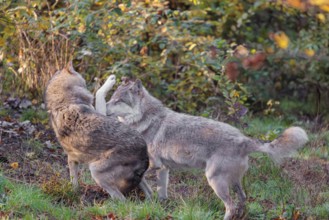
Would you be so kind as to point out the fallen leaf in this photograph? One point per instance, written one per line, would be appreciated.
(296, 215)
(96, 217)
(14, 165)
(144, 51)
(111, 216)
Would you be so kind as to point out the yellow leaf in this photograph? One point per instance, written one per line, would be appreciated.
(281, 40)
(236, 94)
(269, 102)
(292, 62)
(191, 46)
(296, 4)
(309, 52)
(14, 165)
(123, 7)
(321, 17)
(325, 7)
(318, 2)
(2, 42)
(164, 29)
(81, 28)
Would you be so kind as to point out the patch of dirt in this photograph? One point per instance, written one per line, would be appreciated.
(311, 174)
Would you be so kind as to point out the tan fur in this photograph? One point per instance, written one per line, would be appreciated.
(116, 155)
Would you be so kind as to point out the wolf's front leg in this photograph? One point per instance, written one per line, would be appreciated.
(100, 102)
(73, 168)
(162, 182)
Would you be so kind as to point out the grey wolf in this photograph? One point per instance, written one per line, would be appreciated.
(177, 140)
(116, 155)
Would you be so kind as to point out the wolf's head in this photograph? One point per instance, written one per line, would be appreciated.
(67, 87)
(131, 102)
(127, 99)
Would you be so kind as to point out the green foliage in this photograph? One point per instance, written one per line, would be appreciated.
(34, 116)
(59, 188)
(3, 112)
(33, 147)
(178, 51)
(292, 72)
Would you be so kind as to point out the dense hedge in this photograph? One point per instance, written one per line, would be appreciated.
(270, 51)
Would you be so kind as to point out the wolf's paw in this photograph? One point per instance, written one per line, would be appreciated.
(110, 79)
(107, 86)
(240, 213)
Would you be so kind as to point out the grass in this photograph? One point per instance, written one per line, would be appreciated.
(3, 112)
(271, 191)
(35, 116)
(28, 202)
(293, 107)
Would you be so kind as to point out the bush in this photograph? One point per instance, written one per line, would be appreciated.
(182, 50)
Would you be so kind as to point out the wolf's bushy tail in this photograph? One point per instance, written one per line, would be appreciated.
(285, 145)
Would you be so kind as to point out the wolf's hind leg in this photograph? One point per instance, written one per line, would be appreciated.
(112, 190)
(221, 188)
(162, 182)
(242, 199)
(102, 179)
(219, 176)
(73, 168)
(146, 189)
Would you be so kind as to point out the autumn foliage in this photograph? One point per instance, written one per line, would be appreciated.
(182, 50)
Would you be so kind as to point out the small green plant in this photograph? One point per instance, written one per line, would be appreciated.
(270, 135)
(59, 188)
(234, 95)
(3, 112)
(271, 107)
(34, 116)
(33, 148)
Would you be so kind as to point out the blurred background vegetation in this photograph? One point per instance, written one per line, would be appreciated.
(218, 59)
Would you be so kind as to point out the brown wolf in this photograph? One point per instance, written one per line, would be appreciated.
(116, 155)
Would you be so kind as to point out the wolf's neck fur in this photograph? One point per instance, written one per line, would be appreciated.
(60, 99)
(150, 116)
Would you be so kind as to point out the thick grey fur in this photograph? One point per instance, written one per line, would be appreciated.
(177, 140)
(116, 154)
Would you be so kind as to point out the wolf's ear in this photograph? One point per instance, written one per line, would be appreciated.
(139, 86)
(69, 67)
